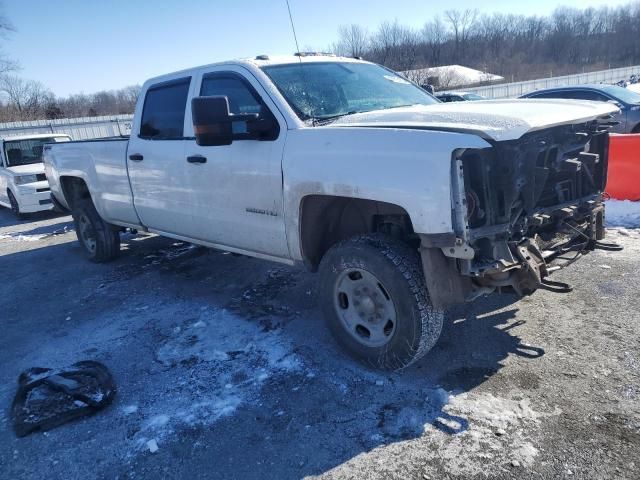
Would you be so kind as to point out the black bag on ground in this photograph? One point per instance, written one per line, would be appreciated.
(48, 397)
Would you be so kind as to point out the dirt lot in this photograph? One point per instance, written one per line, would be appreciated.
(224, 361)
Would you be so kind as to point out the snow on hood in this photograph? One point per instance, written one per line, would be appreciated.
(491, 119)
(31, 169)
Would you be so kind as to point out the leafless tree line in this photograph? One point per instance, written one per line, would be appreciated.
(517, 47)
(22, 99)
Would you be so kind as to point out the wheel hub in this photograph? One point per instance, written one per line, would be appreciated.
(365, 307)
(87, 233)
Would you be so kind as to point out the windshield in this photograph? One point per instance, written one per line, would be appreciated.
(323, 90)
(28, 151)
(624, 94)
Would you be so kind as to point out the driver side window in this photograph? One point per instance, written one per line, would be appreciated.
(241, 98)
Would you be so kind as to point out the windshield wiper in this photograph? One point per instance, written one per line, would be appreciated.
(323, 120)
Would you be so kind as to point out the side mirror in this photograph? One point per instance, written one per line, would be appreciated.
(212, 121)
(615, 102)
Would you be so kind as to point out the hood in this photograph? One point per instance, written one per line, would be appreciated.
(497, 120)
(31, 169)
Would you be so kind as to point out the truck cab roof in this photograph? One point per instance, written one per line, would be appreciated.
(260, 61)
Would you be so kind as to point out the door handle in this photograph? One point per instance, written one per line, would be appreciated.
(136, 157)
(197, 159)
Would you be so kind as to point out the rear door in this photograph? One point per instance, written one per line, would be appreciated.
(155, 158)
(237, 188)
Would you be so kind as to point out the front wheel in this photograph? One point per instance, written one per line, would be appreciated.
(99, 239)
(15, 208)
(376, 302)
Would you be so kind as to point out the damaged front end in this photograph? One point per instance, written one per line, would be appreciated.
(525, 208)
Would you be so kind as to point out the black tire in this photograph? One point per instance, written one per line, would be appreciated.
(397, 269)
(99, 239)
(15, 208)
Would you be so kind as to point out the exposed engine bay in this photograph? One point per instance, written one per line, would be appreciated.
(528, 207)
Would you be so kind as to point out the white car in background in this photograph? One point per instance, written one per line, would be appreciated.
(24, 187)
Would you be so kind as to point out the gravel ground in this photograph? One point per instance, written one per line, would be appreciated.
(224, 363)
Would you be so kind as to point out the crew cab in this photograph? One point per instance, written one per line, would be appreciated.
(405, 205)
(23, 184)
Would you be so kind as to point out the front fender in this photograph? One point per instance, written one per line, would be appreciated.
(410, 168)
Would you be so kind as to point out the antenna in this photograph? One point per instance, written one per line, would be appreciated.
(295, 37)
(302, 72)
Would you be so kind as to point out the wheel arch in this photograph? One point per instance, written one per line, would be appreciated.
(74, 189)
(328, 219)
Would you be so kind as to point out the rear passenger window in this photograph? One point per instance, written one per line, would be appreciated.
(163, 111)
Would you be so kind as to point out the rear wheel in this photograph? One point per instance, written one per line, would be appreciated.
(376, 302)
(99, 239)
(15, 208)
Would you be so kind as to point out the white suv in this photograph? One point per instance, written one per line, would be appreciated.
(23, 185)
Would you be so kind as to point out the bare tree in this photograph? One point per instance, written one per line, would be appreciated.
(30, 100)
(395, 45)
(462, 24)
(353, 41)
(127, 98)
(26, 97)
(434, 34)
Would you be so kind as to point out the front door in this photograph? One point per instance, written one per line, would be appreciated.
(238, 198)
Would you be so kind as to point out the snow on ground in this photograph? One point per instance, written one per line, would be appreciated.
(499, 427)
(22, 238)
(451, 76)
(235, 355)
(622, 213)
(211, 361)
(635, 87)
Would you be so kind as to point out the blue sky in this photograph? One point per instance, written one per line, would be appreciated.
(77, 46)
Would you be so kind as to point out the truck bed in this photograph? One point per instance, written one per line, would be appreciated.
(100, 163)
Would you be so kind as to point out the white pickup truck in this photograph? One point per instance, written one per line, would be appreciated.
(405, 205)
(23, 185)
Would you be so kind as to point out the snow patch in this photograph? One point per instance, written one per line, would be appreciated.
(634, 87)
(228, 360)
(129, 409)
(622, 213)
(486, 415)
(220, 336)
(152, 445)
(19, 237)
